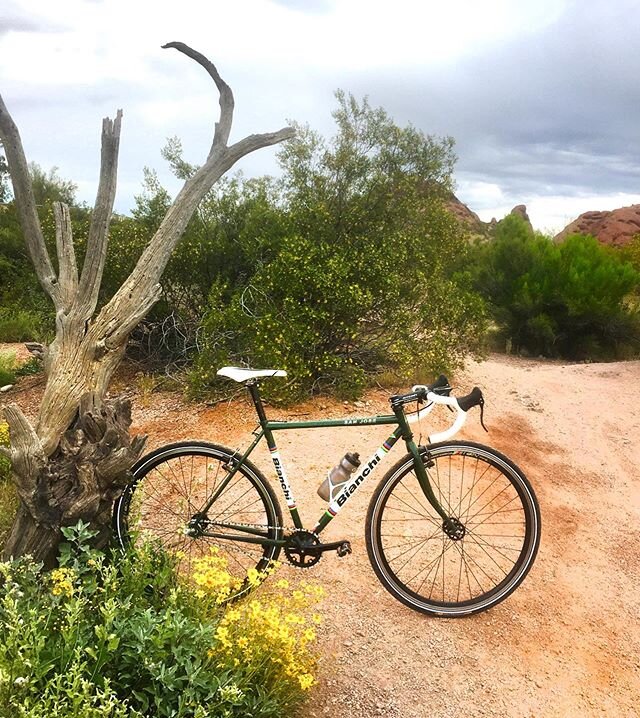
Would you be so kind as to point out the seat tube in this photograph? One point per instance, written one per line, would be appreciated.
(252, 386)
(418, 462)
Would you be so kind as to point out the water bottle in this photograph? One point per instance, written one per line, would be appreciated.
(338, 476)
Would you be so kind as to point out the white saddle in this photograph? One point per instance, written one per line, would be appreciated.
(238, 374)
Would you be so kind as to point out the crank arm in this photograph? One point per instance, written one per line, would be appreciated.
(342, 547)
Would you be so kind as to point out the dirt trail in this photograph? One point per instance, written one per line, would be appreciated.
(567, 642)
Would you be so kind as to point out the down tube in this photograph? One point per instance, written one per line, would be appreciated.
(351, 486)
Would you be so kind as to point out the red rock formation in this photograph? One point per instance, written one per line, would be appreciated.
(520, 210)
(466, 217)
(616, 228)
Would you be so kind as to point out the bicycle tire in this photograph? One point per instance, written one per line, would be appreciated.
(498, 508)
(169, 487)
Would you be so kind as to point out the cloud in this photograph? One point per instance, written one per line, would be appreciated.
(306, 6)
(14, 19)
(542, 97)
(555, 111)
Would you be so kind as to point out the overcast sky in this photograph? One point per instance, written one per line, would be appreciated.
(541, 96)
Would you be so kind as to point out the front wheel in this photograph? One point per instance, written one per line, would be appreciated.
(165, 504)
(475, 559)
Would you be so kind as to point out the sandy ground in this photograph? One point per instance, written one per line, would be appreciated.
(566, 643)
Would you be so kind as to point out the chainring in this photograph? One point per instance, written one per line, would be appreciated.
(299, 548)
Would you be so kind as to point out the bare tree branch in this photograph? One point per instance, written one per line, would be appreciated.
(73, 461)
(122, 326)
(140, 288)
(68, 269)
(255, 142)
(26, 205)
(96, 254)
(223, 126)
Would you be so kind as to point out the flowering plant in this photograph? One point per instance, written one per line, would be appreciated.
(124, 636)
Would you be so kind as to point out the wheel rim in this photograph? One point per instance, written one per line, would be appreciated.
(171, 489)
(442, 567)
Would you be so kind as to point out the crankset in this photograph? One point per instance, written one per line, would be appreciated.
(304, 548)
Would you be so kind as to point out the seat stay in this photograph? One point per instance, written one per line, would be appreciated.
(238, 461)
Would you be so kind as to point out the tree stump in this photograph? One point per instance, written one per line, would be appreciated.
(80, 480)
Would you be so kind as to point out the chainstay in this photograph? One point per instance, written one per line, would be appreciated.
(287, 529)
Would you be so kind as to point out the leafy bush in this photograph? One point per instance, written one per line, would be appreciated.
(364, 274)
(21, 325)
(568, 299)
(631, 251)
(8, 501)
(27, 313)
(5, 465)
(8, 497)
(10, 370)
(31, 366)
(128, 638)
(7, 369)
(268, 638)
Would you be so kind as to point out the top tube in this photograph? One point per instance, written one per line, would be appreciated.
(319, 423)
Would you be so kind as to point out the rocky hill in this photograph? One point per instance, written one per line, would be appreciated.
(466, 217)
(473, 224)
(616, 228)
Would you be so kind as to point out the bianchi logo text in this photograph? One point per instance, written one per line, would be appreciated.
(285, 489)
(342, 499)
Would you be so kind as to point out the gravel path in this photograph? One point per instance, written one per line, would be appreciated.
(566, 643)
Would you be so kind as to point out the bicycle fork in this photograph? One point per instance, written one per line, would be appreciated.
(450, 524)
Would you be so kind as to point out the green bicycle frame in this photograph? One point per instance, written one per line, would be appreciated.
(266, 430)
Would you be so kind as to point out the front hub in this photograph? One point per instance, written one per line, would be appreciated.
(454, 529)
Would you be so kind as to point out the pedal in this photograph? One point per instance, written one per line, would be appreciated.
(344, 549)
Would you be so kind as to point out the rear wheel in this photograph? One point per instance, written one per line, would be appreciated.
(475, 559)
(164, 504)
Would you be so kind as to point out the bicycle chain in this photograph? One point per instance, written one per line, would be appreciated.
(288, 532)
(289, 529)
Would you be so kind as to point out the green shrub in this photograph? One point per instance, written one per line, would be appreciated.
(7, 369)
(631, 252)
(5, 464)
(19, 325)
(8, 497)
(572, 299)
(8, 502)
(32, 366)
(363, 275)
(127, 638)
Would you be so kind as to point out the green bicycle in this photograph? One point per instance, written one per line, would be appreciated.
(452, 528)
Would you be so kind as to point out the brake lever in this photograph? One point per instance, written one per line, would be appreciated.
(482, 416)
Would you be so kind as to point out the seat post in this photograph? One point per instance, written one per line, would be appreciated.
(252, 386)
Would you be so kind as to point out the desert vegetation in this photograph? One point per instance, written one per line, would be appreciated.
(344, 270)
(347, 271)
(125, 636)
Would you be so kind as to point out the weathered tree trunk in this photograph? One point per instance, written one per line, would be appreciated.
(80, 480)
(73, 463)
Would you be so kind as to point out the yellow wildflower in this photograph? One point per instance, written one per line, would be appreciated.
(62, 581)
(306, 680)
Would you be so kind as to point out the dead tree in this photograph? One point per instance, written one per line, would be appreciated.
(73, 461)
